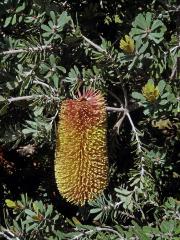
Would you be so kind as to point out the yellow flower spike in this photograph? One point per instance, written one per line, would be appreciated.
(127, 45)
(81, 164)
(150, 92)
(10, 203)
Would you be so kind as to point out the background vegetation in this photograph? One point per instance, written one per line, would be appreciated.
(130, 51)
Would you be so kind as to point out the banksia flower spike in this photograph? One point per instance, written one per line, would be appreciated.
(127, 44)
(81, 164)
(150, 92)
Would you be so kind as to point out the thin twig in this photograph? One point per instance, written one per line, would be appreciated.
(114, 109)
(31, 97)
(8, 235)
(139, 147)
(45, 85)
(135, 132)
(99, 229)
(174, 69)
(30, 49)
(100, 49)
(116, 97)
(5, 236)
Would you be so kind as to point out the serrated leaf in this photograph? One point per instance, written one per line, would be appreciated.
(148, 18)
(52, 14)
(62, 20)
(140, 21)
(156, 24)
(164, 226)
(138, 96)
(49, 210)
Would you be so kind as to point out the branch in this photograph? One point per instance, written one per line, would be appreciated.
(8, 235)
(114, 109)
(135, 132)
(44, 84)
(100, 49)
(99, 229)
(33, 49)
(140, 151)
(31, 97)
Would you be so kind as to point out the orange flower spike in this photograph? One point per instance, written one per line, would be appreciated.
(81, 165)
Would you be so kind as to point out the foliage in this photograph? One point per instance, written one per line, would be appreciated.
(33, 219)
(51, 51)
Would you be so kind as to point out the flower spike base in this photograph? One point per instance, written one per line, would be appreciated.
(81, 164)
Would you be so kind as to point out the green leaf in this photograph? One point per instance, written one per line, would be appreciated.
(3, 109)
(156, 37)
(123, 191)
(31, 227)
(46, 34)
(164, 226)
(20, 8)
(52, 14)
(148, 18)
(140, 21)
(7, 21)
(138, 230)
(14, 19)
(137, 180)
(143, 47)
(45, 28)
(52, 59)
(161, 85)
(156, 24)
(95, 210)
(38, 111)
(98, 216)
(163, 102)
(56, 80)
(29, 213)
(138, 96)
(20, 19)
(49, 210)
(62, 69)
(28, 131)
(62, 20)
(2, 99)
